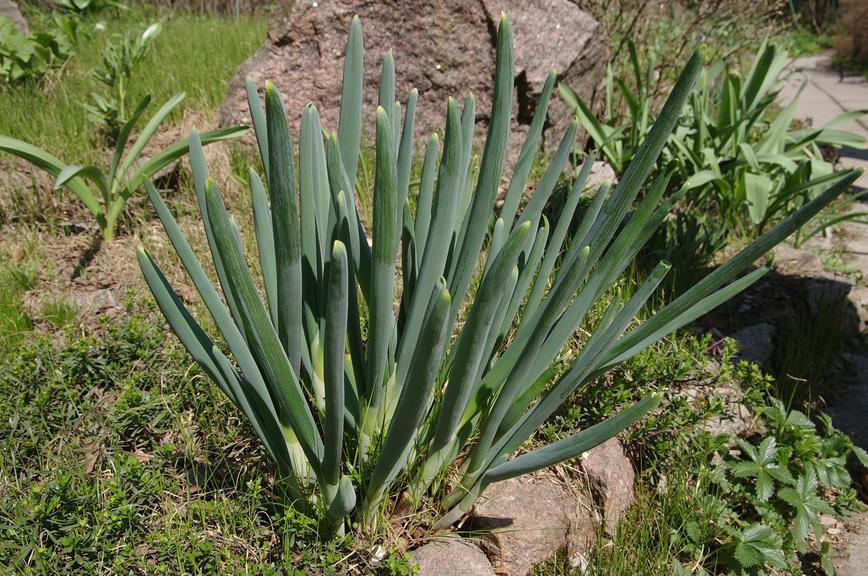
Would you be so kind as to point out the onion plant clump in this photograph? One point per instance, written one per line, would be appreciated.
(356, 403)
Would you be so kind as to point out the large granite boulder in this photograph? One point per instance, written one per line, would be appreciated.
(444, 48)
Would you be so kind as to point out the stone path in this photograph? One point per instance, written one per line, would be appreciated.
(827, 95)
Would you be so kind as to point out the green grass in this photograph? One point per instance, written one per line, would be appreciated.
(102, 438)
(14, 322)
(803, 42)
(118, 456)
(183, 58)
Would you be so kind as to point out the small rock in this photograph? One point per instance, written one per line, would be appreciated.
(755, 343)
(610, 476)
(734, 418)
(526, 520)
(858, 299)
(600, 172)
(828, 520)
(795, 262)
(832, 295)
(451, 556)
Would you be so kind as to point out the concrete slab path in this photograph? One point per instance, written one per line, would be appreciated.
(827, 94)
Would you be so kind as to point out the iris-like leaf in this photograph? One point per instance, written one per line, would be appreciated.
(384, 249)
(284, 217)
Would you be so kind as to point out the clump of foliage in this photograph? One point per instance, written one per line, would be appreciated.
(721, 504)
(667, 31)
(353, 420)
(740, 164)
(23, 57)
(90, 8)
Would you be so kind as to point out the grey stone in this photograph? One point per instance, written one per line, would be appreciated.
(734, 418)
(755, 343)
(10, 9)
(852, 558)
(600, 172)
(836, 298)
(450, 556)
(857, 298)
(610, 477)
(443, 49)
(526, 520)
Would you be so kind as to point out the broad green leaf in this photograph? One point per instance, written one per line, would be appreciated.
(806, 502)
(145, 137)
(528, 151)
(265, 242)
(405, 152)
(92, 173)
(490, 168)
(757, 189)
(350, 123)
(124, 134)
(212, 361)
(426, 195)
(45, 161)
(437, 247)
(762, 466)
(415, 396)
